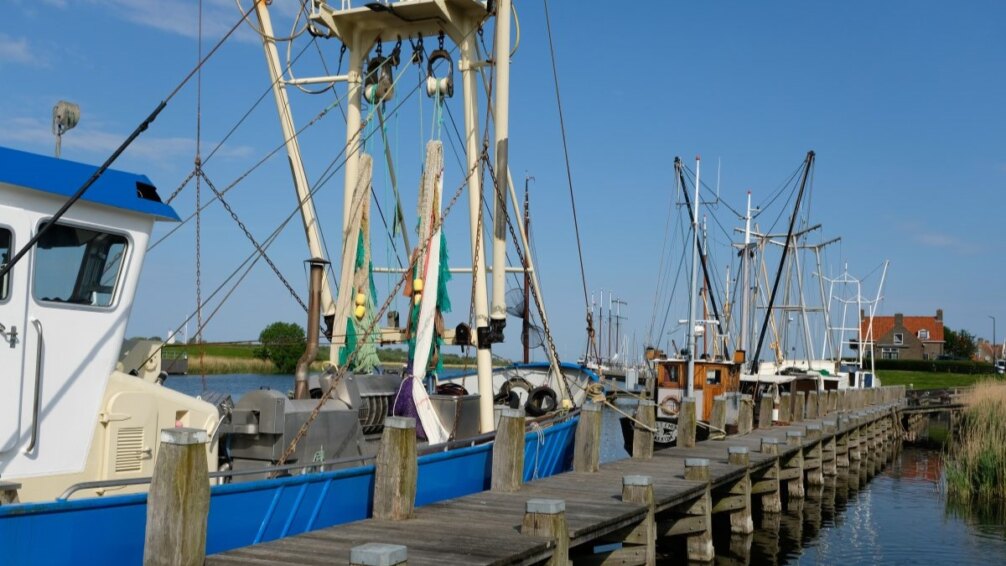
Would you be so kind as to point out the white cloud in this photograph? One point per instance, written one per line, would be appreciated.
(99, 143)
(17, 50)
(181, 17)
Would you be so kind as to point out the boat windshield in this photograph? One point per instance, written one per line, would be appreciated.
(79, 266)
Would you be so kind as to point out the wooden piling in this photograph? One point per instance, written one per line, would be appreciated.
(799, 406)
(699, 542)
(396, 470)
(812, 405)
(179, 500)
(546, 518)
(812, 456)
(737, 502)
(765, 411)
(792, 466)
(785, 407)
(508, 451)
(642, 437)
(718, 417)
(587, 442)
(745, 415)
(686, 423)
(639, 489)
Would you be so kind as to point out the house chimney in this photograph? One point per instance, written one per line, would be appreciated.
(939, 315)
(899, 319)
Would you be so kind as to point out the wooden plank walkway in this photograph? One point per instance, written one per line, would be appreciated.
(486, 528)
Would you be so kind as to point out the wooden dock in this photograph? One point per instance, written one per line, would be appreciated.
(631, 502)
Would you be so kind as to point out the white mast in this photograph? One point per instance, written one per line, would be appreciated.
(307, 213)
(502, 130)
(693, 296)
(745, 294)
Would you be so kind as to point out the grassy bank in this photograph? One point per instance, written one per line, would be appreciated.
(976, 464)
(929, 380)
(240, 358)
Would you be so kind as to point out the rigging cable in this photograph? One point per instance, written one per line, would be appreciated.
(4, 269)
(198, 170)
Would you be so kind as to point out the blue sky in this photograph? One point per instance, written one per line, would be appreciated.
(902, 101)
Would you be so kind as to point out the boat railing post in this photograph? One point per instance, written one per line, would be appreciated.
(396, 470)
(508, 451)
(179, 500)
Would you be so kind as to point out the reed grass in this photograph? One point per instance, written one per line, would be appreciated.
(212, 365)
(976, 461)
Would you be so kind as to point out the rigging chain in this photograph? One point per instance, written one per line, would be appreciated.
(251, 238)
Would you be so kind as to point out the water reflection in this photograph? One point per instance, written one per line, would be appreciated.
(898, 516)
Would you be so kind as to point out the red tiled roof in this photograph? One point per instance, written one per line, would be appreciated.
(913, 324)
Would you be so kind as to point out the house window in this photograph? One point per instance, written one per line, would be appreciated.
(899, 339)
(889, 353)
(923, 334)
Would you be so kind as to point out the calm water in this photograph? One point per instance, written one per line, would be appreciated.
(898, 517)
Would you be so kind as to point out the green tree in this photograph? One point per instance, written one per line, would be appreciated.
(283, 343)
(959, 343)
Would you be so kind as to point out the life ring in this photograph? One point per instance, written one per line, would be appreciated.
(670, 406)
(541, 401)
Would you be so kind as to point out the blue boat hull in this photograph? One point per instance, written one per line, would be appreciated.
(106, 530)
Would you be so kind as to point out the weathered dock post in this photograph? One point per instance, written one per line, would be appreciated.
(587, 441)
(785, 407)
(745, 415)
(546, 518)
(700, 540)
(765, 407)
(812, 456)
(718, 417)
(396, 470)
(829, 448)
(643, 537)
(792, 466)
(179, 500)
(735, 499)
(799, 406)
(832, 401)
(812, 405)
(378, 554)
(686, 423)
(766, 485)
(642, 436)
(842, 442)
(508, 452)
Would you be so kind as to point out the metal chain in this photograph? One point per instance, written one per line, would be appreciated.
(180, 187)
(534, 290)
(252, 239)
(292, 447)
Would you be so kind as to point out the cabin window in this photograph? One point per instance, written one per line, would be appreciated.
(713, 376)
(6, 241)
(899, 339)
(78, 266)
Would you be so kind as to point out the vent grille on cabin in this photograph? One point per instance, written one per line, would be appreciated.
(128, 449)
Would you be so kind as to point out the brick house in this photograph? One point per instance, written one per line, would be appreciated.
(987, 351)
(901, 337)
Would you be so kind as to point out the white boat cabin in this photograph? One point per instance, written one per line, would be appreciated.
(66, 414)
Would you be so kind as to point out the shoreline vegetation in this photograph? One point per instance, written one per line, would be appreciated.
(975, 463)
(220, 359)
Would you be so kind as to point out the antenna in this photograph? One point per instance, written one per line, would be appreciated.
(65, 115)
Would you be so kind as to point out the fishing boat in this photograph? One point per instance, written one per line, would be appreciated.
(79, 425)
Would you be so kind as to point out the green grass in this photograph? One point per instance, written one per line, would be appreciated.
(929, 380)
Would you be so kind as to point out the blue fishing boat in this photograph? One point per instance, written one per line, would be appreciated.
(80, 419)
